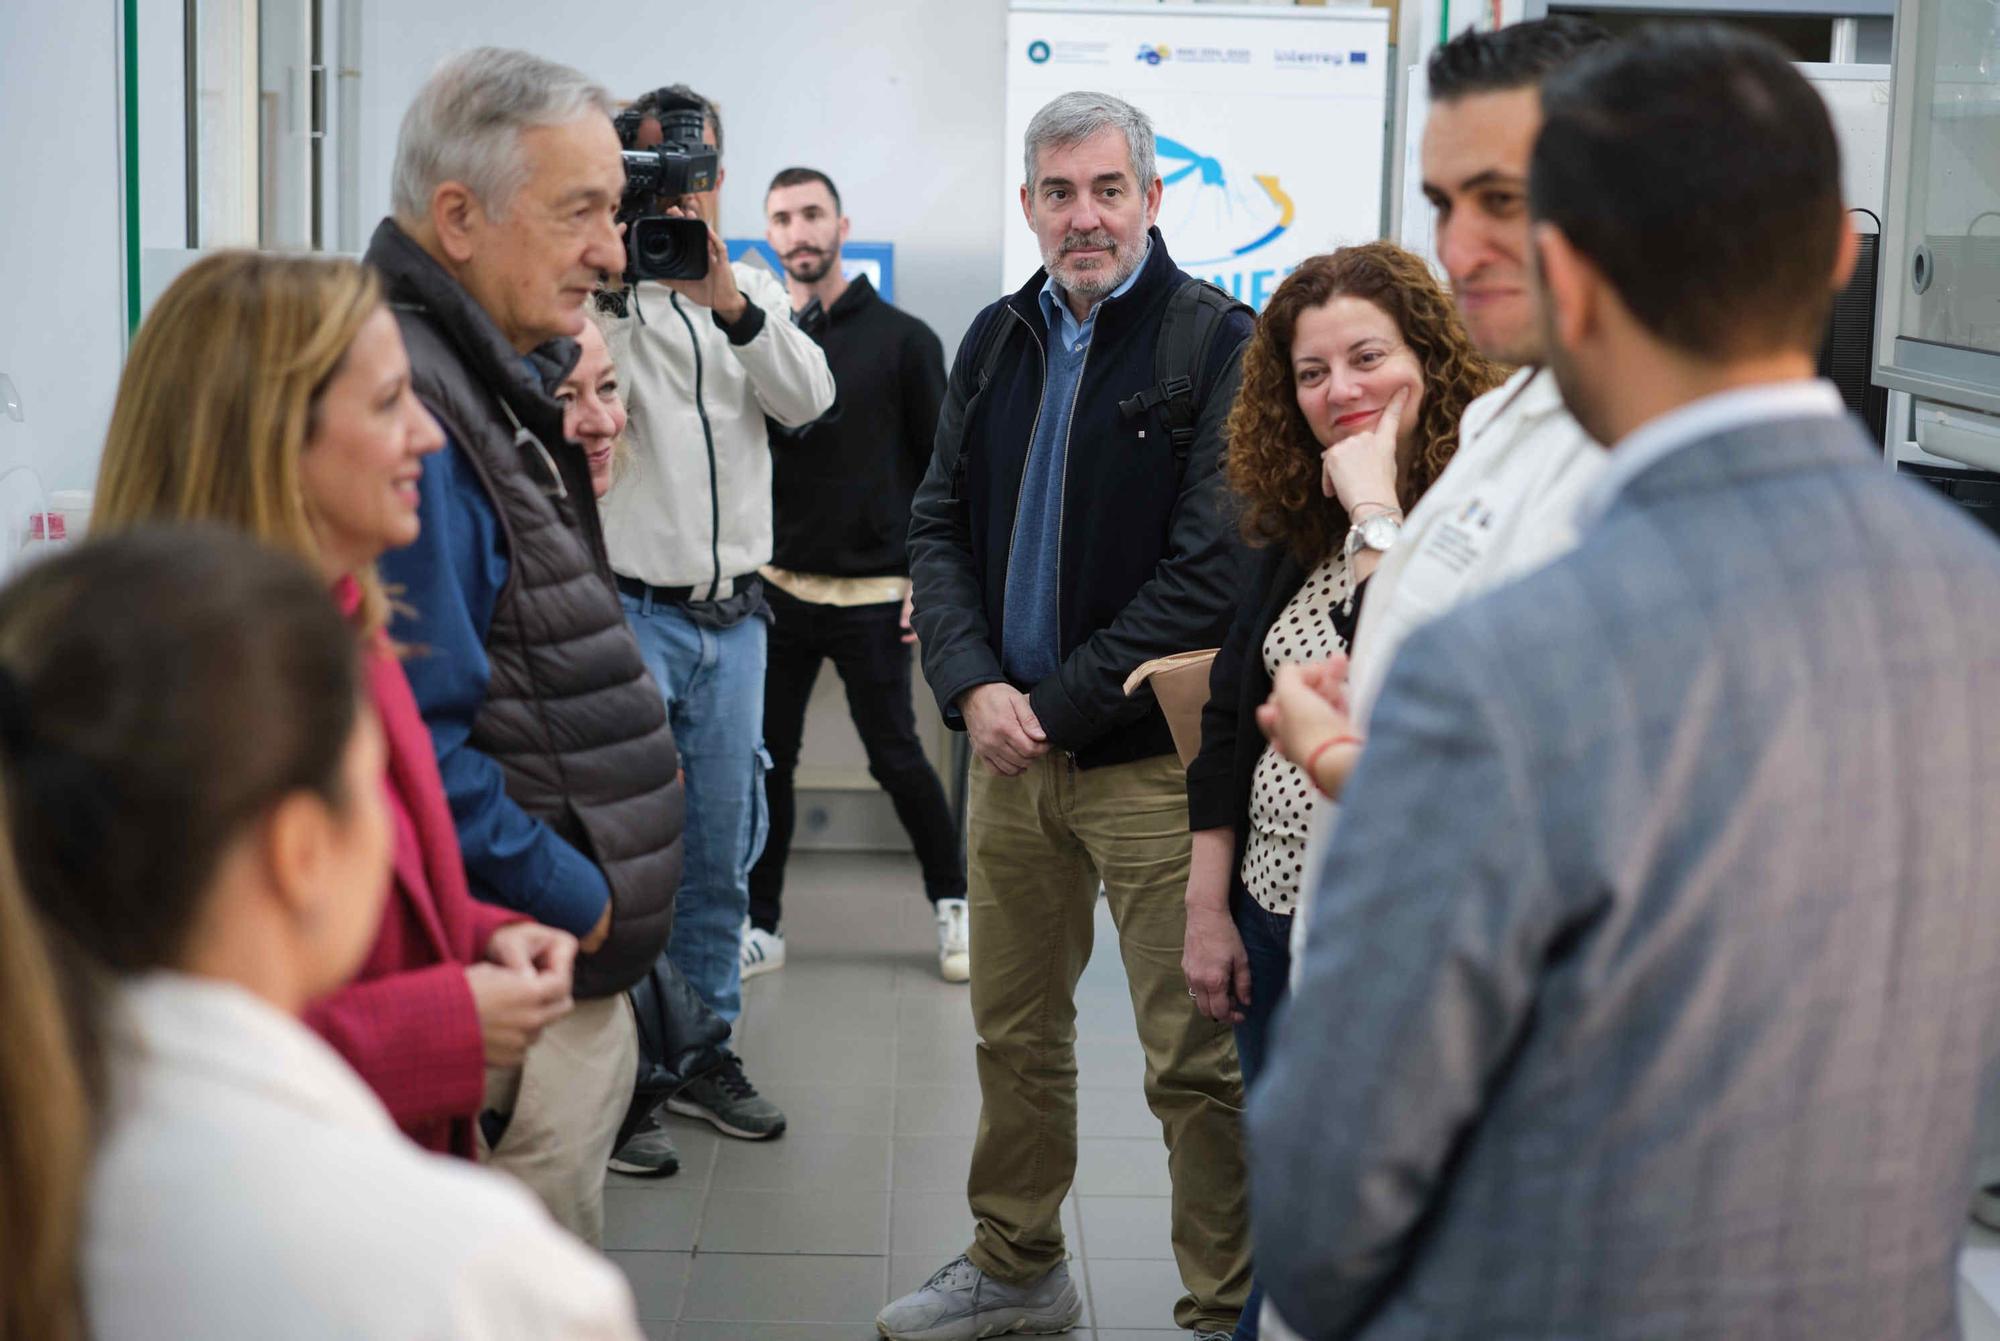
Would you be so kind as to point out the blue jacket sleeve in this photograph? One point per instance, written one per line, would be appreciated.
(448, 584)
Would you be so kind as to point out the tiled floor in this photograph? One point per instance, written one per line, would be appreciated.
(870, 1054)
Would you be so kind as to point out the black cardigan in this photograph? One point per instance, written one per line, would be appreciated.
(1218, 781)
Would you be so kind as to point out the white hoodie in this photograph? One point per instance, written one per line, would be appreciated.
(691, 505)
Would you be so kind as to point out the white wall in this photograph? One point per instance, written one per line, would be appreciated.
(899, 101)
(62, 303)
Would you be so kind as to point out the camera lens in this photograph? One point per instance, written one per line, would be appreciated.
(661, 248)
(656, 249)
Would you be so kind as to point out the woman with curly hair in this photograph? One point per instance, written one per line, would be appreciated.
(1353, 385)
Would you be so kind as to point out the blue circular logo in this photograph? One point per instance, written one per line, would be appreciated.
(1038, 52)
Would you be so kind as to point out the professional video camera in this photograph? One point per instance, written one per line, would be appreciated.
(681, 165)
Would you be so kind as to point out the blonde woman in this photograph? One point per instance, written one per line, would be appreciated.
(272, 394)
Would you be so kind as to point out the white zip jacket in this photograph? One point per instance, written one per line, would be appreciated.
(690, 506)
(1504, 506)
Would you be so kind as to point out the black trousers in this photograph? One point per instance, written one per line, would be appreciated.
(866, 647)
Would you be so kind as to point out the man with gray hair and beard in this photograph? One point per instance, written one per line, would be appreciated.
(1071, 528)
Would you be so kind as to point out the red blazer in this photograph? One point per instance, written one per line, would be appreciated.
(406, 1023)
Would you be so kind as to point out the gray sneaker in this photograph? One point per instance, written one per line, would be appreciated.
(963, 1303)
(647, 1153)
(727, 1101)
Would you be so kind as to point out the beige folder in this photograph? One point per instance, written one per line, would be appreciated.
(1180, 683)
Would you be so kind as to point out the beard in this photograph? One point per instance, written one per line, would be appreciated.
(809, 267)
(1105, 275)
(1579, 391)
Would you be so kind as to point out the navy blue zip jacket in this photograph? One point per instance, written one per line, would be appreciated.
(1150, 557)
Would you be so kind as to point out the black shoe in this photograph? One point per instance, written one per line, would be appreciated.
(727, 1100)
(648, 1152)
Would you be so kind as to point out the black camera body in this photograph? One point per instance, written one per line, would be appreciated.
(657, 247)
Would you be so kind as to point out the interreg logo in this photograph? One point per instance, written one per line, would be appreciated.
(1038, 52)
(1310, 58)
(1222, 218)
(1154, 55)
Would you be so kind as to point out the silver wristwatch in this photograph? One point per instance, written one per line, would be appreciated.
(1377, 531)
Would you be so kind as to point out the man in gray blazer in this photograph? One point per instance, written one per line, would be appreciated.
(1656, 962)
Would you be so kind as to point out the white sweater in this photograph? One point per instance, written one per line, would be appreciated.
(691, 507)
(250, 1187)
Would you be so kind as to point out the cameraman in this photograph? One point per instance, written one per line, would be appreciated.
(688, 524)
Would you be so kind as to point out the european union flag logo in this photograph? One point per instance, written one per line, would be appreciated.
(1357, 58)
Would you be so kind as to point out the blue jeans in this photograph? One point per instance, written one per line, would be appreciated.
(713, 682)
(1267, 944)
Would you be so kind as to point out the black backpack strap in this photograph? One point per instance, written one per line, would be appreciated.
(985, 362)
(1195, 312)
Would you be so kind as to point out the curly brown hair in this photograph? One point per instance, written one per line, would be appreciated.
(1274, 459)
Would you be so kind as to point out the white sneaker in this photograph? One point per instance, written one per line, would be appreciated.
(763, 951)
(954, 940)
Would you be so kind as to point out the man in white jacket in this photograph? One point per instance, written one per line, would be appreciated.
(688, 524)
(1504, 505)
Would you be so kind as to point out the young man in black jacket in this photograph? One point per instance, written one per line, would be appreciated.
(1065, 534)
(838, 582)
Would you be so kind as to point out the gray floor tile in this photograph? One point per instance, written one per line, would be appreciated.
(834, 1108)
(1115, 1167)
(917, 975)
(804, 1159)
(937, 1110)
(931, 1163)
(778, 1331)
(1110, 1061)
(934, 1224)
(651, 1217)
(821, 1220)
(1111, 1110)
(659, 1280)
(836, 1009)
(742, 1287)
(1121, 1334)
(659, 1329)
(1106, 1015)
(1126, 1227)
(935, 1059)
(1135, 1294)
(812, 969)
(925, 1010)
(777, 1058)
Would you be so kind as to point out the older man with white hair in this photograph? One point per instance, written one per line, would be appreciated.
(1071, 528)
(552, 741)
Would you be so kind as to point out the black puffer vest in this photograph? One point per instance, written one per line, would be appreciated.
(571, 716)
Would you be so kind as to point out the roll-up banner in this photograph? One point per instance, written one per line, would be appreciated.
(1269, 124)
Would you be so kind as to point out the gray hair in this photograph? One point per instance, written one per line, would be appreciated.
(466, 123)
(1075, 117)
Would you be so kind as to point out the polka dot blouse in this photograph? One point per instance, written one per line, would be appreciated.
(1281, 795)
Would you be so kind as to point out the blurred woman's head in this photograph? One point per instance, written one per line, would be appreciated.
(192, 779)
(272, 393)
(593, 411)
(188, 780)
(1342, 334)
(45, 1131)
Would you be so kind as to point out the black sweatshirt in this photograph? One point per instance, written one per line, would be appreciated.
(841, 489)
